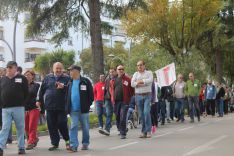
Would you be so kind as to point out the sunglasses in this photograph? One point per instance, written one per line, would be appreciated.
(120, 69)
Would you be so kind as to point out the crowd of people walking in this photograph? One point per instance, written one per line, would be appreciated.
(136, 99)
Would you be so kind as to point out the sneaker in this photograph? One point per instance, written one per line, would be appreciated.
(153, 129)
(85, 147)
(192, 121)
(198, 119)
(148, 135)
(1, 152)
(72, 149)
(67, 143)
(21, 151)
(143, 135)
(122, 137)
(36, 142)
(30, 146)
(168, 121)
(53, 148)
(107, 133)
(177, 120)
(101, 131)
(9, 141)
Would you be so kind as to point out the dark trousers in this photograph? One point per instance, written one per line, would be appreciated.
(163, 110)
(210, 107)
(121, 111)
(225, 104)
(0, 118)
(154, 114)
(57, 122)
(172, 110)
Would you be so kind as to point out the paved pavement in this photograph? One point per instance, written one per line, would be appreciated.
(210, 137)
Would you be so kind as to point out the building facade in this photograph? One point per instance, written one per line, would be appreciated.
(27, 49)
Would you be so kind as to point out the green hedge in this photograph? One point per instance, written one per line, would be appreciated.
(93, 120)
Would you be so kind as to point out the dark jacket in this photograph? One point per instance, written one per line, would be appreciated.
(107, 95)
(32, 96)
(86, 95)
(123, 90)
(221, 93)
(166, 93)
(51, 97)
(13, 92)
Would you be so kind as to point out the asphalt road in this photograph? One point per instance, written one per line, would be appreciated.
(210, 137)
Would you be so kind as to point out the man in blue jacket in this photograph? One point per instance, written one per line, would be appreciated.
(52, 95)
(79, 99)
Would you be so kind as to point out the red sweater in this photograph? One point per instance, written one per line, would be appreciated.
(98, 91)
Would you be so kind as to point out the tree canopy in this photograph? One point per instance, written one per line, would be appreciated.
(44, 62)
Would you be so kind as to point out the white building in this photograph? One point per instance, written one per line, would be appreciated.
(28, 48)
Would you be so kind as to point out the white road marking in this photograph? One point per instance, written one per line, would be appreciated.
(205, 146)
(122, 146)
(157, 136)
(184, 129)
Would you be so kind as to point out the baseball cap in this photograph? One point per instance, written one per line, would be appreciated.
(74, 67)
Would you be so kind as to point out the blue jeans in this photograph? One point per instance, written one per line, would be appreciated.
(168, 109)
(100, 112)
(220, 106)
(143, 103)
(9, 114)
(83, 118)
(180, 108)
(194, 106)
(109, 113)
(129, 113)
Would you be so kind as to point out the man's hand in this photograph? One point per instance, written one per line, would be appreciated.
(38, 104)
(59, 85)
(140, 82)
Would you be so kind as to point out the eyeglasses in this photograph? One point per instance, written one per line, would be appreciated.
(120, 69)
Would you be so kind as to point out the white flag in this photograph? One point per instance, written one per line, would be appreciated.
(166, 75)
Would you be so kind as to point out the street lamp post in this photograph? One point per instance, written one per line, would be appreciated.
(8, 45)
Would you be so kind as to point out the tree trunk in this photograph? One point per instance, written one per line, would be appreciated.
(96, 39)
(219, 65)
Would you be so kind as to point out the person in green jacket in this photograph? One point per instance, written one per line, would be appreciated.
(192, 89)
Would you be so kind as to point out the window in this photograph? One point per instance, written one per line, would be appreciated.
(1, 57)
(70, 42)
(30, 57)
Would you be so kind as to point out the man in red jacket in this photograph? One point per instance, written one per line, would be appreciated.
(122, 95)
(98, 91)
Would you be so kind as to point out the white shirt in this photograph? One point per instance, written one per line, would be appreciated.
(156, 92)
(146, 77)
